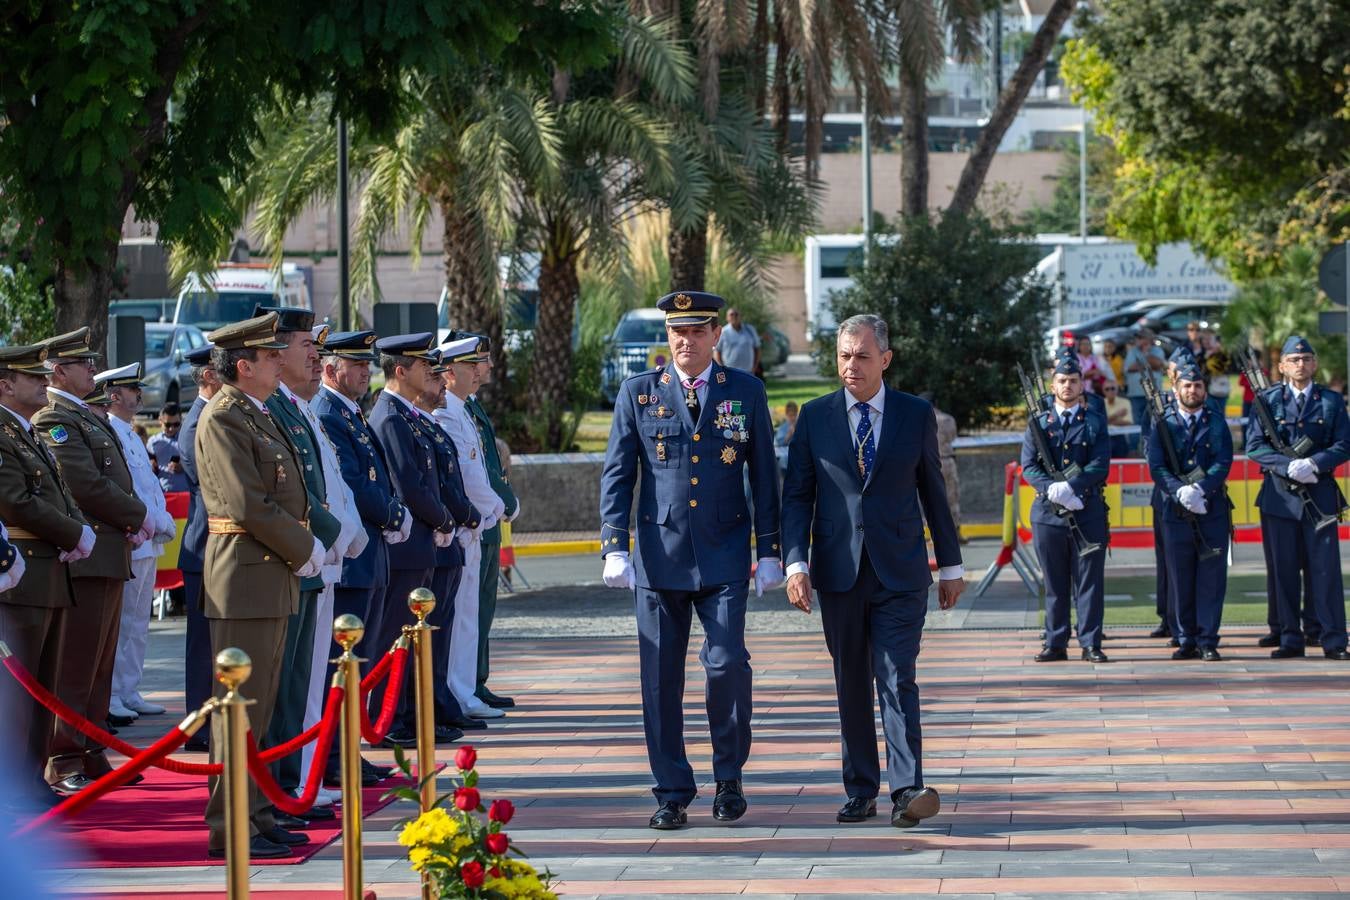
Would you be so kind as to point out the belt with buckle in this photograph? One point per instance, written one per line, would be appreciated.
(222, 525)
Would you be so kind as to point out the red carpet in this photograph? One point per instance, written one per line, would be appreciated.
(159, 823)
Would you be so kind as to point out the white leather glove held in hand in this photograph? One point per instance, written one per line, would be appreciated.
(1059, 493)
(331, 556)
(360, 541)
(768, 575)
(466, 537)
(619, 570)
(1192, 496)
(315, 563)
(83, 547)
(1304, 470)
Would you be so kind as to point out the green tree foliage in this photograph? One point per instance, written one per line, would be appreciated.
(87, 132)
(961, 307)
(25, 306)
(1231, 116)
(1061, 214)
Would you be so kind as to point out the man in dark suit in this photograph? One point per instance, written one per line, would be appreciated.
(198, 666)
(692, 429)
(863, 474)
(1301, 408)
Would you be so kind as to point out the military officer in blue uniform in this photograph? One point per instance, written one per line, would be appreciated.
(198, 668)
(1303, 408)
(1074, 434)
(1194, 519)
(407, 361)
(691, 429)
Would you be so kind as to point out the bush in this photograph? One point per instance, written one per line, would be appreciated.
(963, 308)
(27, 312)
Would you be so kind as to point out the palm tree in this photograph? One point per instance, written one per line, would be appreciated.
(1268, 310)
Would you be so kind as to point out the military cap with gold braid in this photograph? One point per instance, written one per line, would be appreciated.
(30, 359)
(463, 350)
(69, 347)
(357, 345)
(417, 345)
(690, 308)
(258, 333)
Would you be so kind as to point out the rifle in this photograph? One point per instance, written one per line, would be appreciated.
(1157, 409)
(1251, 367)
(1034, 397)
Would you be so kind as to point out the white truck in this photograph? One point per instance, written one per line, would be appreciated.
(231, 292)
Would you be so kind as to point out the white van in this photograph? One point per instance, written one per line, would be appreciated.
(234, 289)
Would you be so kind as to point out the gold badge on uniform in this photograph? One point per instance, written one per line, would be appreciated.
(642, 399)
(371, 473)
(281, 474)
(665, 378)
(683, 302)
(660, 451)
(721, 377)
(660, 412)
(728, 454)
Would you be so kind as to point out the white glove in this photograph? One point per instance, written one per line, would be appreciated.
(83, 547)
(15, 573)
(466, 537)
(1192, 496)
(443, 538)
(1304, 470)
(331, 556)
(315, 562)
(166, 529)
(619, 570)
(359, 543)
(406, 528)
(515, 513)
(768, 575)
(1061, 493)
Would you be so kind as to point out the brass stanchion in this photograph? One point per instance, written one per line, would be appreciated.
(422, 602)
(233, 668)
(348, 631)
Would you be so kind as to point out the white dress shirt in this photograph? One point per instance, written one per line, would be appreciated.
(145, 484)
(876, 409)
(702, 391)
(27, 425)
(455, 419)
(69, 396)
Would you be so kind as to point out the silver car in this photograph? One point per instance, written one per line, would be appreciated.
(168, 376)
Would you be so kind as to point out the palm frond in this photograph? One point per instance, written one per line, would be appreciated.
(652, 50)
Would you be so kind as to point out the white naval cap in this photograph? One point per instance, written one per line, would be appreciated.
(462, 350)
(124, 376)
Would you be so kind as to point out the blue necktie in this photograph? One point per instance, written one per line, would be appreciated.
(867, 445)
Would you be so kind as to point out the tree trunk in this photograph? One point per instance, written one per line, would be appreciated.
(914, 146)
(472, 294)
(759, 59)
(782, 84)
(81, 296)
(1009, 102)
(688, 251)
(551, 370)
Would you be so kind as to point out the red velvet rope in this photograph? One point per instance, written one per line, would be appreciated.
(262, 776)
(375, 734)
(376, 673)
(77, 803)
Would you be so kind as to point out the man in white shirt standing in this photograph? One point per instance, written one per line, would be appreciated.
(461, 359)
(123, 388)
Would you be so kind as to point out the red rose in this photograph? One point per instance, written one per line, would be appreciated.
(472, 874)
(495, 872)
(465, 757)
(466, 798)
(501, 811)
(495, 843)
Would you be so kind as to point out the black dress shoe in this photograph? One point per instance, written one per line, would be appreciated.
(317, 814)
(198, 746)
(1336, 654)
(1174, 642)
(1209, 654)
(286, 838)
(670, 816)
(1094, 654)
(286, 820)
(403, 739)
(464, 723)
(259, 847)
(72, 784)
(857, 809)
(729, 804)
(1050, 654)
(1268, 640)
(447, 735)
(1312, 640)
(1186, 653)
(496, 701)
(1161, 631)
(119, 721)
(1288, 653)
(913, 805)
(380, 773)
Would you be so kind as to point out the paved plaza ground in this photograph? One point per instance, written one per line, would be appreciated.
(1144, 776)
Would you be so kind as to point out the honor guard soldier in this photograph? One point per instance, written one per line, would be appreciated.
(45, 530)
(691, 429)
(258, 547)
(1068, 519)
(93, 467)
(198, 665)
(1189, 461)
(298, 362)
(1299, 499)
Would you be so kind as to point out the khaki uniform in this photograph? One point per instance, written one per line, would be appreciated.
(92, 466)
(253, 488)
(43, 520)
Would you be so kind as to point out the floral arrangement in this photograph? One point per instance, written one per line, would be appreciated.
(462, 855)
